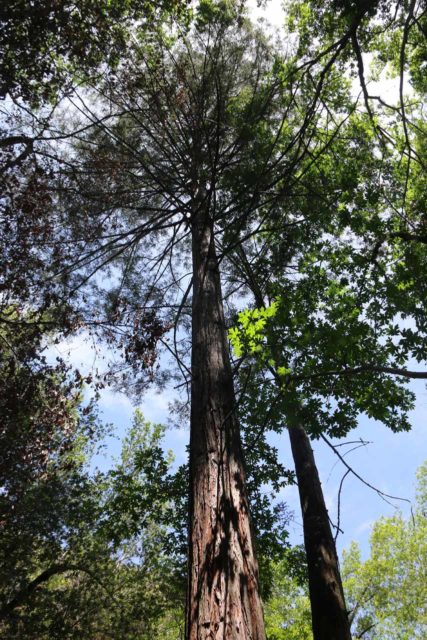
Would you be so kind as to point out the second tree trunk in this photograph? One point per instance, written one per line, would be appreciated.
(329, 616)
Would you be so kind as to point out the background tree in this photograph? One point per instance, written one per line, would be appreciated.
(43, 431)
(387, 592)
(82, 555)
(287, 611)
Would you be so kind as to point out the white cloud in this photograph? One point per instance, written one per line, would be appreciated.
(330, 500)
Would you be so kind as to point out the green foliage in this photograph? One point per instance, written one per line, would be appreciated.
(287, 610)
(43, 425)
(249, 336)
(112, 572)
(356, 310)
(223, 11)
(42, 45)
(320, 335)
(82, 553)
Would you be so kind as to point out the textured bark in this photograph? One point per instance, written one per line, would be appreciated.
(223, 594)
(329, 615)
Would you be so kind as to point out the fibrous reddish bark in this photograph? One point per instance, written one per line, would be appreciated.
(329, 615)
(223, 592)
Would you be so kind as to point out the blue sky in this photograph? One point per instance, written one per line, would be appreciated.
(389, 462)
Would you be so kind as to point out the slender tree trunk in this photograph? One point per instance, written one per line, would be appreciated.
(223, 595)
(329, 615)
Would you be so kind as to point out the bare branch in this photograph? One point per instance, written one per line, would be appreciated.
(382, 494)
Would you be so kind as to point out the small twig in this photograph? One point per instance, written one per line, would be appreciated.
(362, 633)
(360, 443)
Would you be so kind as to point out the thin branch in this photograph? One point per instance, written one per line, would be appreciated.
(338, 530)
(55, 569)
(396, 371)
(382, 494)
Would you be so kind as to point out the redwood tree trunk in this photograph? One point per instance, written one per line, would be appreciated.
(329, 615)
(223, 595)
